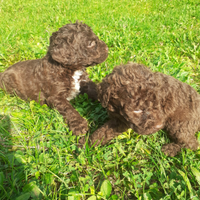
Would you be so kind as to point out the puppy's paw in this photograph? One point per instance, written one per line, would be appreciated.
(171, 149)
(78, 126)
(81, 142)
(98, 137)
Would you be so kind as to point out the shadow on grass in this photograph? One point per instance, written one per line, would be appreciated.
(5, 145)
(12, 166)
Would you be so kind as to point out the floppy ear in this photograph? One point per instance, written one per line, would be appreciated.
(60, 49)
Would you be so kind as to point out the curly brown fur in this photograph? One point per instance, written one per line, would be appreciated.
(57, 78)
(148, 102)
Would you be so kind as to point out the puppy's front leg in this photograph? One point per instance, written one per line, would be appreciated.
(88, 87)
(77, 124)
(108, 131)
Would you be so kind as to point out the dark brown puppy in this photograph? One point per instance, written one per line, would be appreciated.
(145, 101)
(59, 76)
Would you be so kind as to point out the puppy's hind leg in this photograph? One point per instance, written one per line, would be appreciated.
(182, 138)
(5, 84)
(172, 149)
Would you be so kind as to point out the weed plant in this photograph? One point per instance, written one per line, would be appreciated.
(39, 156)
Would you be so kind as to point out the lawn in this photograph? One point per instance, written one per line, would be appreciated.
(39, 156)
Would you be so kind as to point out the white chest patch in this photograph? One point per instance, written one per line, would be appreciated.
(75, 89)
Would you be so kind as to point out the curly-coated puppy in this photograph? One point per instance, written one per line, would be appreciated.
(60, 75)
(147, 102)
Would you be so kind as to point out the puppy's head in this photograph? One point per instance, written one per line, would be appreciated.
(123, 82)
(112, 86)
(129, 94)
(76, 44)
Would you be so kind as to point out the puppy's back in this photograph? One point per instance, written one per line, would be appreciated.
(20, 79)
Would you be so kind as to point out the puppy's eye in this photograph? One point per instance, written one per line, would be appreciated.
(91, 44)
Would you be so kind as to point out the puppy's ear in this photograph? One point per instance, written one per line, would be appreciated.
(60, 48)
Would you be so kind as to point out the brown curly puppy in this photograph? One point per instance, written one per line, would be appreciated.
(59, 76)
(147, 102)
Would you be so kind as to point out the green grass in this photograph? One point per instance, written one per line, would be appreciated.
(39, 156)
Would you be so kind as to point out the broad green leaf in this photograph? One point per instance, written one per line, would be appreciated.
(86, 187)
(74, 194)
(42, 168)
(196, 174)
(92, 198)
(106, 188)
(114, 197)
(32, 188)
(100, 195)
(195, 198)
(147, 196)
(92, 190)
(20, 158)
(49, 178)
(24, 196)
(37, 174)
